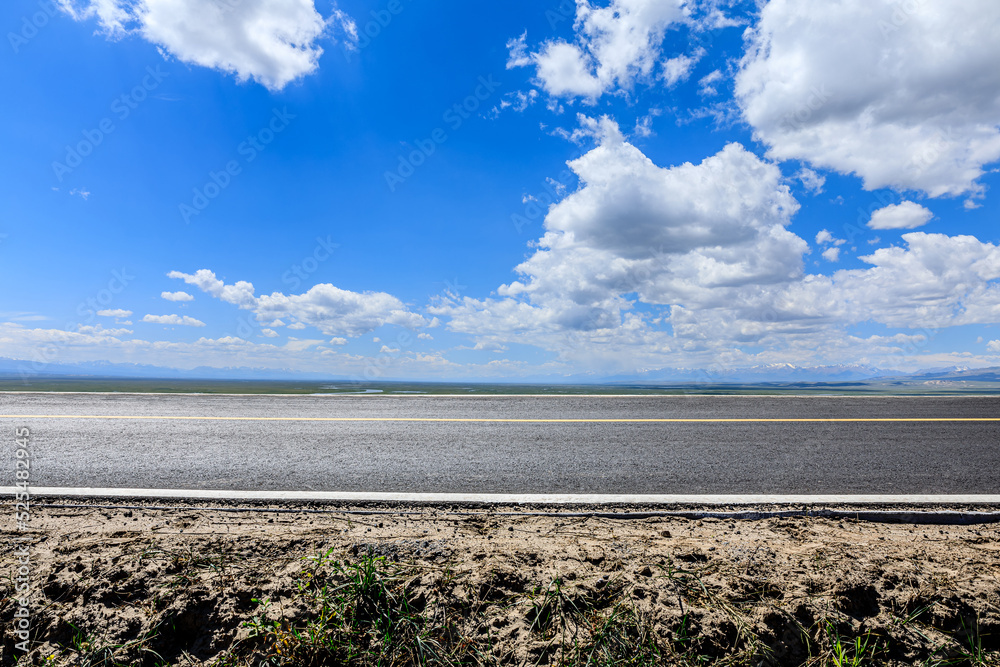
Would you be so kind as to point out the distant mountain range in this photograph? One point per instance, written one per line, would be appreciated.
(18, 368)
(767, 373)
(772, 373)
(943, 375)
(787, 373)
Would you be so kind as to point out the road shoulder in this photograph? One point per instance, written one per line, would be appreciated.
(235, 584)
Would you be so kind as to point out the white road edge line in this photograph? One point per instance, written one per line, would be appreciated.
(514, 498)
(816, 394)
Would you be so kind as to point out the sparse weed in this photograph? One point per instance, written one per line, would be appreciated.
(342, 606)
(90, 651)
(552, 609)
(840, 651)
(971, 648)
(363, 613)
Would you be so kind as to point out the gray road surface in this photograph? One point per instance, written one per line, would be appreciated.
(704, 457)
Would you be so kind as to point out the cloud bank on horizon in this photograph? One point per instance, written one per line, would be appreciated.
(805, 183)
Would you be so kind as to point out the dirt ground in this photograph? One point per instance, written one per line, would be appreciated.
(314, 585)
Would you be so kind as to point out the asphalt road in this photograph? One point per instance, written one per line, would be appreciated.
(364, 443)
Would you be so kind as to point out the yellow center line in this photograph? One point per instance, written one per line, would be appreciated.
(529, 420)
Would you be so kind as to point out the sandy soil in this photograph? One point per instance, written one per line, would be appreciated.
(184, 585)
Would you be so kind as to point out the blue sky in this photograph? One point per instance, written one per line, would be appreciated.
(390, 188)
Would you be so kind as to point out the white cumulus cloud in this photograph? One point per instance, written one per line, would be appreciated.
(824, 237)
(708, 84)
(174, 320)
(691, 264)
(911, 100)
(614, 46)
(935, 281)
(176, 296)
(239, 294)
(100, 332)
(116, 312)
(905, 215)
(273, 42)
(811, 181)
(693, 234)
(333, 311)
(678, 69)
